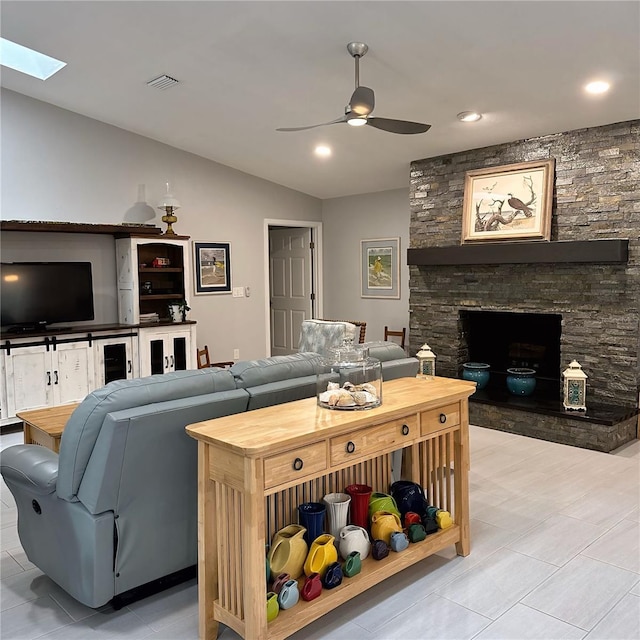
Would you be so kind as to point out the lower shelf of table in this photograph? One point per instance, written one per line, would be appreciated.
(373, 572)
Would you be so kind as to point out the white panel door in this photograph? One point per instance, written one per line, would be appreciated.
(73, 373)
(29, 379)
(290, 277)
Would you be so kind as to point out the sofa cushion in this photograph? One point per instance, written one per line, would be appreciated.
(385, 350)
(83, 427)
(253, 373)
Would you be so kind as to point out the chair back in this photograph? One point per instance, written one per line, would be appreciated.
(202, 358)
(396, 334)
(362, 326)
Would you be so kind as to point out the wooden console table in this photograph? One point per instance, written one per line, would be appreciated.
(45, 426)
(255, 468)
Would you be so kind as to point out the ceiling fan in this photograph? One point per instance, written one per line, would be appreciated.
(361, 104)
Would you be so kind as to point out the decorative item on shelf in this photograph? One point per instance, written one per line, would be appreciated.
(379, 549)
(321, 555)
(399, 541)
(273, 609)
(160, 263)
(312, 587)
(575, 387)
(409, 497)
(146, 288)
(178, 311)
(521, 381)
(426, 361)
(337, 512)
(354, 538)
(416, 532)
(311, 517)
(382, 502)
(288, 551)
(333, 576)
(383, 524)
(442, 517)
(279, 581)
(411, 517)
(169, 204)
(352, 565)
(289, 594)
(477, 372)
(359, 508)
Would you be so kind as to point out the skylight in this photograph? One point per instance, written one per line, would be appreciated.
(28, 61)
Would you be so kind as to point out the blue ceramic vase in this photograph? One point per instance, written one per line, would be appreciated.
(477, 372)
(521, 381)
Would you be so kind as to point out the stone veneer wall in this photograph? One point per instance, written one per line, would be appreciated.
(597, 195)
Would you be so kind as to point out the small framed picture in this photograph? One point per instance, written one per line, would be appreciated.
(212, 267)
(512, 202)
(380, 268)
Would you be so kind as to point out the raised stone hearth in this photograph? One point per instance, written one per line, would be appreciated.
(596, 197)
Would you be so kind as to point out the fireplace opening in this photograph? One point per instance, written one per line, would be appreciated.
(506, 340)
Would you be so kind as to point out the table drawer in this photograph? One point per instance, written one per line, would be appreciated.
(295, 464)
(442, 418)
(373, 440)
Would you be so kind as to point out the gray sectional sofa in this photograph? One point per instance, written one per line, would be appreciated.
(117, 508)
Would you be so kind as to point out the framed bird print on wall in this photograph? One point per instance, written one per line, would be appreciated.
(511, 202)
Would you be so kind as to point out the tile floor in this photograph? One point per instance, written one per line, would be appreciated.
(555, 554)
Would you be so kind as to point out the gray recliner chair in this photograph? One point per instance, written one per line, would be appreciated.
(117, 508)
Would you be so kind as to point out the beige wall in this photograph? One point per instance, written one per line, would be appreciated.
(346, 222)
(60, 166)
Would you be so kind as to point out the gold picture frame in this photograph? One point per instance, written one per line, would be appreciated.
(511, 202)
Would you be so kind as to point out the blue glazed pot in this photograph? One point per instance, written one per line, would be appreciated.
(521, 381)
(477, 372)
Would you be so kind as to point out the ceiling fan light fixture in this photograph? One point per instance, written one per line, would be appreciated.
(469, 116)
(357, 122)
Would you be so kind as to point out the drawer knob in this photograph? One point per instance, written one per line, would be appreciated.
(351, 446)
(405, 429)
(298, 464)
(443, 418)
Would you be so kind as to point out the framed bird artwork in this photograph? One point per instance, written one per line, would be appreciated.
(511, 202)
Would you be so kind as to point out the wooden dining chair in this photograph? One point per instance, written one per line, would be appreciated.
(204, 361)
(396, 334)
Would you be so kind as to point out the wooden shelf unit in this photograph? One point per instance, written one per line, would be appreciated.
(243, 502)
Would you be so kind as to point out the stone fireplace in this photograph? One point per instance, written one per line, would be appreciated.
(586, 303)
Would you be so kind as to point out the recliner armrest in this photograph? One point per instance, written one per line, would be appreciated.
(32, 466)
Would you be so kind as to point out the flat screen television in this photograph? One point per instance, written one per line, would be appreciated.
(35, 294)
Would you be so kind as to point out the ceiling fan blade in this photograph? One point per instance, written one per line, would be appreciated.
(362, 101)
(398, 126)
(313, 126)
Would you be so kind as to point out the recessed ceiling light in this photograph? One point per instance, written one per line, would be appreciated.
(322, 151)
(598, 86)
(469, 116)
(28, 61)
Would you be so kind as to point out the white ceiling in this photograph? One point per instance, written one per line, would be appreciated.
(246, 68)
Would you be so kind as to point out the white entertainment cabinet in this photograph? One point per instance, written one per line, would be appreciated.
(59, 366)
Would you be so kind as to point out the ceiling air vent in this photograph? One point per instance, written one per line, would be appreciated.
(162, 82)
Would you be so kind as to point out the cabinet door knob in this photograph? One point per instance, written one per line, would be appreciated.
(166, 362)
(443, 418)
(298, 464)
(351, 446)
(130, 366)
(172, 362)
(55, 373)
(405, 429)
(48, 378)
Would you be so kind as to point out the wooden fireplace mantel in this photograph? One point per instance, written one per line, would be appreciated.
(614, 251)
